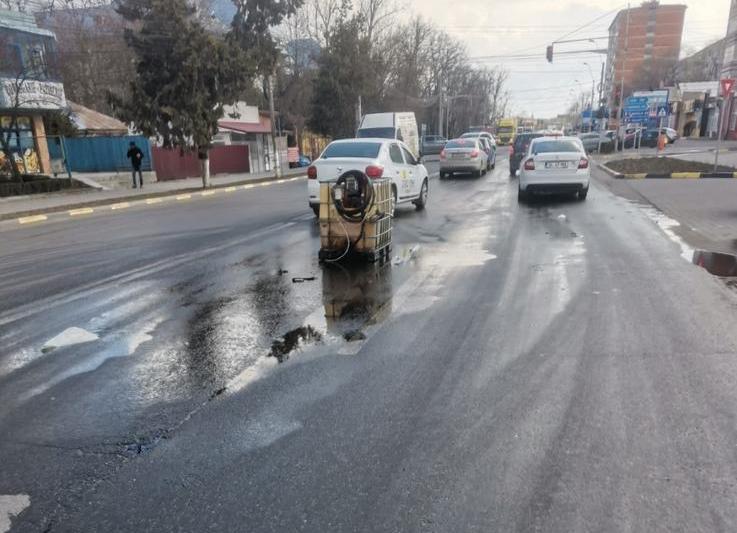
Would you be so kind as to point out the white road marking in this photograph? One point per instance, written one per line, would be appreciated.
(154, 201)
(82, 211)
(11, 506)
(184, 197)
(35, 218)
(121, 205)
(69, 337)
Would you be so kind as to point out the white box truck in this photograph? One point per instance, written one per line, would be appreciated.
(402, 126)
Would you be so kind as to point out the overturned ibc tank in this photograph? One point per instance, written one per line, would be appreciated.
(356, 218)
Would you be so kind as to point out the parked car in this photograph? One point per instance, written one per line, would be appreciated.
(302, 162)
(376, 158)
(671, 134)
(650, 138)
(554, 164)
(486, 135)
(400, 126)
(432, 144)
(518, 149)
(590, 141)
(463, 155)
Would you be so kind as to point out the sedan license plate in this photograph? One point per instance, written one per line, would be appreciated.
(556, 164)
(459, 156)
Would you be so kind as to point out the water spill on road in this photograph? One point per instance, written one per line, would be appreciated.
(716, 263)
(293, 340)
(10, 507)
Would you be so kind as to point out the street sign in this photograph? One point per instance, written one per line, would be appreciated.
(662, 112)
(727, 86)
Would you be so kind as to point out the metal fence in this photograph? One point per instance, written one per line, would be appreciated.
(99, 154)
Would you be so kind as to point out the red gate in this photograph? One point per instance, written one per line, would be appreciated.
(171, 164)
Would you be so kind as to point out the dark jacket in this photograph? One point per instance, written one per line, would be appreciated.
(136, 156)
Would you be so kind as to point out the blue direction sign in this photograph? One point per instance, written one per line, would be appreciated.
(636, 109)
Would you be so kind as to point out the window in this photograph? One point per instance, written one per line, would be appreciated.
(544, 147)
(408, 157)
(364, 150)
(377, 133)
(396, 154)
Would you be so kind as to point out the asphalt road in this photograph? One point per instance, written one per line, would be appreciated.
(556, 366)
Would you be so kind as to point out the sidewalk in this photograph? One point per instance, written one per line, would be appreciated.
(20, 206)
(705, 209)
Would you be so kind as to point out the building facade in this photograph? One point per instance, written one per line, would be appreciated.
(30, 88)
(704, 65)
(643, 50)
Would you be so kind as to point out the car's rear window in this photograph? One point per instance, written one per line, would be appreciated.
(378, 133)
(461, 143)
(546, 147)
(364, 150)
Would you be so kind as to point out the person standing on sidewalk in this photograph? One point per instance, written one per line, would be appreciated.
(136, 156)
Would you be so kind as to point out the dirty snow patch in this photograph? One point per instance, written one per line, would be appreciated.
(562, 217)
(11, 506)
(69, 337)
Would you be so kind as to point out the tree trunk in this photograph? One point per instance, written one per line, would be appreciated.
(205, 167)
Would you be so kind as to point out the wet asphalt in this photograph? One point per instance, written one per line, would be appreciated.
(556, 366)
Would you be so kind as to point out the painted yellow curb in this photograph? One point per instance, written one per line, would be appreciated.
(685, 175)
(635, 176)
(31, 219)
(121, 205)
(184, 197)
(82, 211)
(154, 201)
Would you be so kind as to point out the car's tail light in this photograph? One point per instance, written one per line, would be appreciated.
(583, 163)
(474, 154)
(374, 171)
(530, 164)
(312, 172)
(442, 154)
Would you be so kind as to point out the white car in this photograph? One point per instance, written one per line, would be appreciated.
(376, 158)
(489, 139)
(554, 164)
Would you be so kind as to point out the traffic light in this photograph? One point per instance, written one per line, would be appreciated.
(549, 53)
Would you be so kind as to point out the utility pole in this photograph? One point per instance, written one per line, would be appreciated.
(272, 113)
(620, 111)
(440, 111)
(359, 113)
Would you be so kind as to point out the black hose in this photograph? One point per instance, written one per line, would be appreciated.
(356, 212)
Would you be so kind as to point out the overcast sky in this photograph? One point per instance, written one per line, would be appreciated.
(497, 27)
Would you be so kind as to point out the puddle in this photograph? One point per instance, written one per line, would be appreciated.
(293, 340)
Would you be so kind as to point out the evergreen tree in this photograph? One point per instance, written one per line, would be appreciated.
(184, 76)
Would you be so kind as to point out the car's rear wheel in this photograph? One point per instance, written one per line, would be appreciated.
(394, 199)
(583, 193)
(522, 196)
(316, 210)
(421, 201)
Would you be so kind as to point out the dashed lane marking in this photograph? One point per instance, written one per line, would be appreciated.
(31, 219)
(184, 197)
(249, 186)
(207, 193)
(150, 201)
(82, 211)
(229, 189)
(121, 205)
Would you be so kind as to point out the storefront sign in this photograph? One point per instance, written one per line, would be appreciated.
(31, 94)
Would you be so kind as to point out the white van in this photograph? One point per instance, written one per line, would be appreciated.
(402, 126)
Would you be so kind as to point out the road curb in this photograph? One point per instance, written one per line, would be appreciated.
(674, 175)
(126, 201)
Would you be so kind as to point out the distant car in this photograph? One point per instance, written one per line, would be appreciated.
(490, 153)
(303, 161)
(485, 134)
(554, 164)
(590, 141)
(376, 158)
(671, 134)
(649, 138)
(432, 144)
(631, 137)
(463, 155)
(518, 149)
